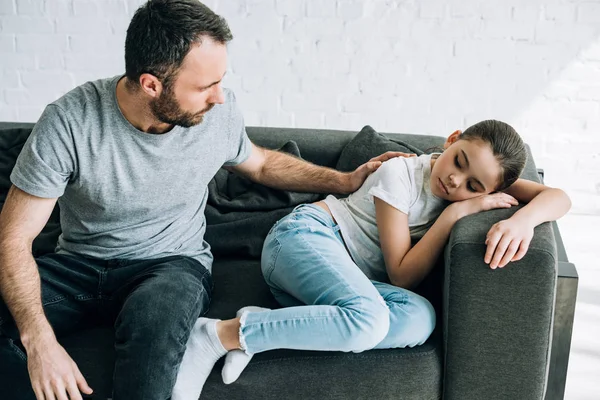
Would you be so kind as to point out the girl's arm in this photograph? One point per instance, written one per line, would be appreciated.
(543, 203)
(509, 240)
(406, 267)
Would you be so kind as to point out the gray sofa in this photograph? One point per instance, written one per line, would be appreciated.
(492, 340)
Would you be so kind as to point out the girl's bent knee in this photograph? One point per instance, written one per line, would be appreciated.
(423, 322)
(373, 328)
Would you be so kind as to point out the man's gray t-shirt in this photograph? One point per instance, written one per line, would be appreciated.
(123, 193)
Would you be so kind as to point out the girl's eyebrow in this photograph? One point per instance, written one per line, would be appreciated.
(467, 162)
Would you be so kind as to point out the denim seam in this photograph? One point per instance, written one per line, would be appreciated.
(244, 324)
(243, 345)
(84, 297)
(282, 320)
(54, 300)
(197, 300)
(315, 210)
(187, 322)
(274, 227)
(101, 280)
(17, 350)
(273, 260)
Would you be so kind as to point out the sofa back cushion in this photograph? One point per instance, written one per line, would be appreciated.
(12, 139)
(368, 144)
(342, 149)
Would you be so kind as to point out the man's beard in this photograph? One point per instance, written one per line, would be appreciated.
(166, 109)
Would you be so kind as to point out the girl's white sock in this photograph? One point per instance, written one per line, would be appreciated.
(236, 360)
(203, 349)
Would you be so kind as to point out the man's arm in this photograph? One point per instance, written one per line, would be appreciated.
(22, 219)
(283, 171)
(52, 372)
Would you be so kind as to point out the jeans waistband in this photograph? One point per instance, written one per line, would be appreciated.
(316, 213)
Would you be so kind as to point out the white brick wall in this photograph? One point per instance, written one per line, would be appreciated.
(429, 66)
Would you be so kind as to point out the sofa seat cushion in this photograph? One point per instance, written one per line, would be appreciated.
(395, 373)
(375, 374)
(412, 373)
(289, 374)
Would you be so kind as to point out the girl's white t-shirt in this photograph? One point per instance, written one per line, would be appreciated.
(401, 182)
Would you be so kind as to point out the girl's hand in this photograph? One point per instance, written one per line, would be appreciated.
(484, 203)
(507, 241)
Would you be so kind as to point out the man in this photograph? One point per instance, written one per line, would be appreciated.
(128, 159)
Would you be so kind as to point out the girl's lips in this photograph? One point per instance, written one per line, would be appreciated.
(441, 185)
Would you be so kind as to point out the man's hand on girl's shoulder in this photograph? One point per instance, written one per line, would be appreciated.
(358, 176)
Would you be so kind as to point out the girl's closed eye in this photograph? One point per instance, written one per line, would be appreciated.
(456, 162)
(470, 186)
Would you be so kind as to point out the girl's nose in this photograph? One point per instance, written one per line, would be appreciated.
(454, 181)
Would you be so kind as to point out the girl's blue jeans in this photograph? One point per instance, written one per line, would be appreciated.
(329, 303)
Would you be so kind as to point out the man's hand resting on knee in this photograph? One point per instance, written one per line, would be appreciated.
(53, 373)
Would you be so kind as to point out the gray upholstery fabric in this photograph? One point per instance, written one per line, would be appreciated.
(368, 144)
(231, 192)
(493, 329)
(497, 324)
(239, 212)
(321, 147)
(12, 139)
(399, 373)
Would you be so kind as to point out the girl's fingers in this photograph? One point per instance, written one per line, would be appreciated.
(492, 242)
(522, 250)
(499, 253)
(509, 254)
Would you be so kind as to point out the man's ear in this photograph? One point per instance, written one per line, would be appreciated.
(150, 85)
(452, 138)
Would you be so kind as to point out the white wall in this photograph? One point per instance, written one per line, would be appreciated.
(429, 66)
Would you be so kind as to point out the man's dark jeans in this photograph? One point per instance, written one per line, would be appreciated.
(153, 305)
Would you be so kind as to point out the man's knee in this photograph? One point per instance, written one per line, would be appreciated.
(163, 309)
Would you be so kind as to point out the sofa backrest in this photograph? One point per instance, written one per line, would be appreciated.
(318, 146)
(324, 146)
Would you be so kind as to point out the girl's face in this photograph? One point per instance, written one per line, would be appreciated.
(466, 169)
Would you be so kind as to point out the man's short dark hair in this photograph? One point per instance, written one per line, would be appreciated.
(162, 32)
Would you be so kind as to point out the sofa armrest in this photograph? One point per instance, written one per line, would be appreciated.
(497, 323)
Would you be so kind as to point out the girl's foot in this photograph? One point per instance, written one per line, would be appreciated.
(237, 360)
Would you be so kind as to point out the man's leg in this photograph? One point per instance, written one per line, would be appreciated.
(67, 286)
(160, 305)
(14, 377)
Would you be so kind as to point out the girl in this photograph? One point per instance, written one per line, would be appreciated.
(328, 263)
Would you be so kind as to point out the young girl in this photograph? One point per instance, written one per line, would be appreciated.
(328, 263)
